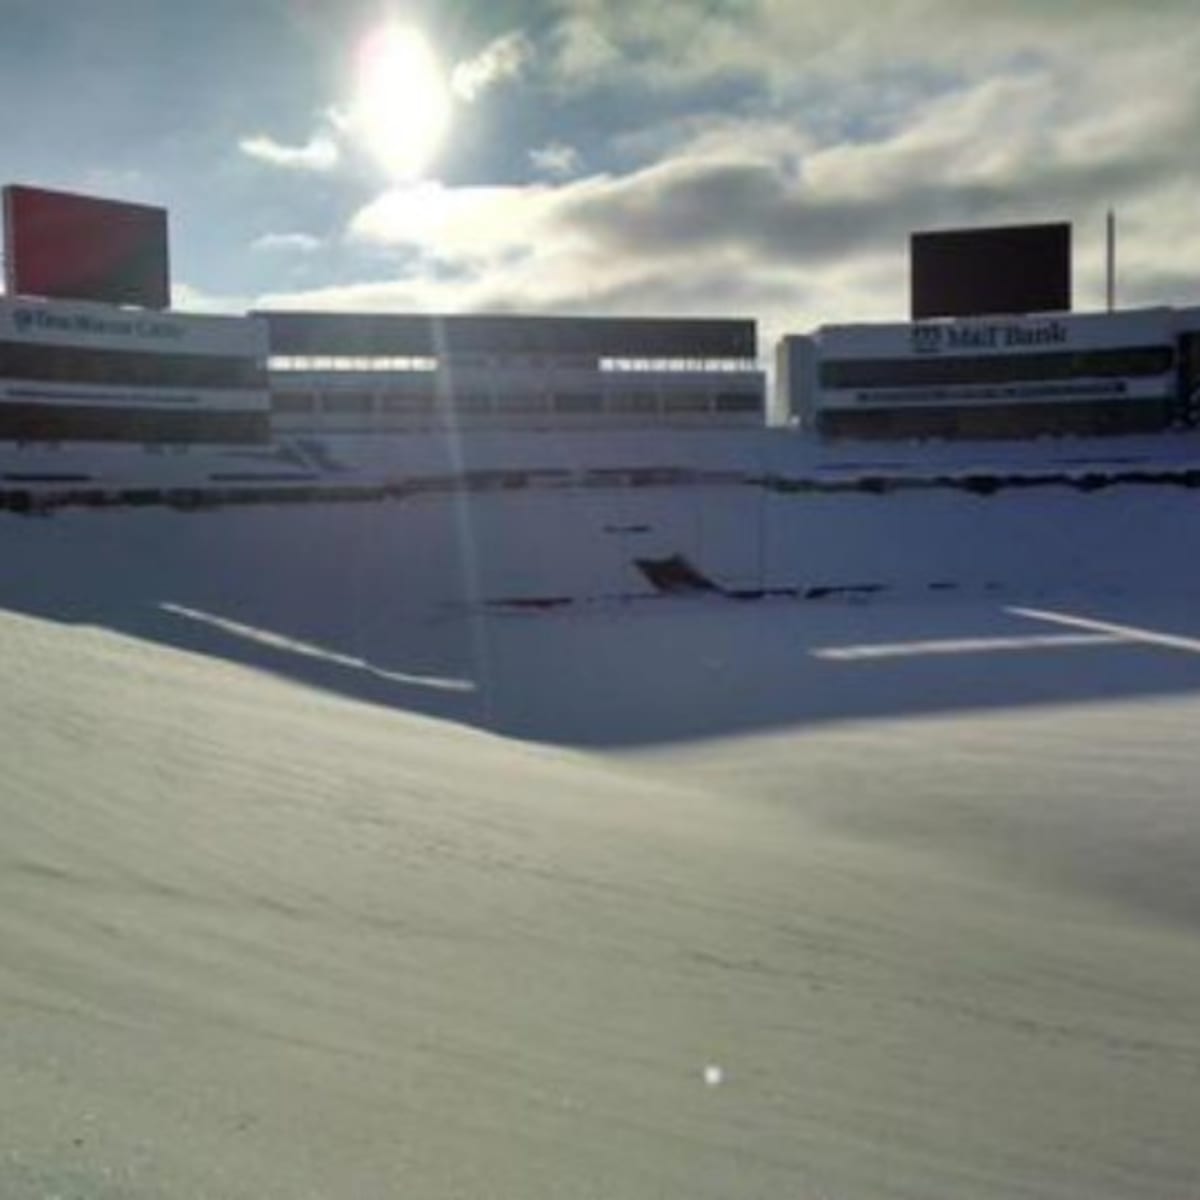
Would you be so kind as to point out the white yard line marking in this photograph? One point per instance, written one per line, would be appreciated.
(963, 646)
(1125, 633)
(277, 641)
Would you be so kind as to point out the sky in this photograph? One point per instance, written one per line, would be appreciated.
(761, 158)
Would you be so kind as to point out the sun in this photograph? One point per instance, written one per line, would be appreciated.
(401, 106)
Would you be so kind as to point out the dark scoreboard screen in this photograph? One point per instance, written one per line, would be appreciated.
(64, 246)
(991, 272)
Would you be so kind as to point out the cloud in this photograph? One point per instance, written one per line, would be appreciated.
(397, 127)
(801, 46)
(795, 204)
(556, 158)
(319, 153)
(500, 60)
(187, 298)
(456, 225)
(291, 243)
(671, 238)
(582, 51)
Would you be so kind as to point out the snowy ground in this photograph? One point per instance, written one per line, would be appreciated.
(321, 877)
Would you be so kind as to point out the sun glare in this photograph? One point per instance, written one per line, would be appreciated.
(402, 101)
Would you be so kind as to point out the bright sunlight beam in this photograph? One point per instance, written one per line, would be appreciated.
(402, 101)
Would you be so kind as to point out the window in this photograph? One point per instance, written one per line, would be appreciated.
(676, 402)
(522, 402)
(578, 402)
(95, 423)
(632, 402)
(1001, 368)
(128, 368)
(738, 402)
(469, 402)
(292, 402)
(399, 402)
(997, 420)
(348, 402)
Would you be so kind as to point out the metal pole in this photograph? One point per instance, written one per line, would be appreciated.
(1111, 259)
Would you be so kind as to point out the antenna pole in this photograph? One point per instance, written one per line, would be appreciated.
(1111, 259)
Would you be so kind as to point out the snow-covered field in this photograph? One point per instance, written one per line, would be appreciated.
(79, 472)
(324, 876)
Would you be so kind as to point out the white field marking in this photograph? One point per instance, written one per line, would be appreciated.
(277, 641)
(964, 646)
(1124, 633)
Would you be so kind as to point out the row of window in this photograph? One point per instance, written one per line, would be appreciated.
(90, 423)
(350, 362)
(365, 403)
(1086, 390)
(679, 365)
(128, 368)
(421, 363)
(838, 374)
(997, 420)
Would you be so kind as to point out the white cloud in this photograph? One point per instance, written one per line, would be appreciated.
(458, 225)
(795, 44)
(187, 298)
(799, 213)
(401, 105)
(500, 60)
(288, 243)
(556, 159)
(319, 153)
(575, 247)
(582, 51)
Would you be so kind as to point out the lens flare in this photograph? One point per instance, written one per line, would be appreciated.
(401, 107)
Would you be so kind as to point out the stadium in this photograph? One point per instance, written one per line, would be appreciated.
(90, 354)
(1013, 377)
(544, 755)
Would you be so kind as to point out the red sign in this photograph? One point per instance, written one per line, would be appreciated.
(63, 246)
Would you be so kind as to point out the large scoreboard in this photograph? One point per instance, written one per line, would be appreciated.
(1003, 271)
(60, 245)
